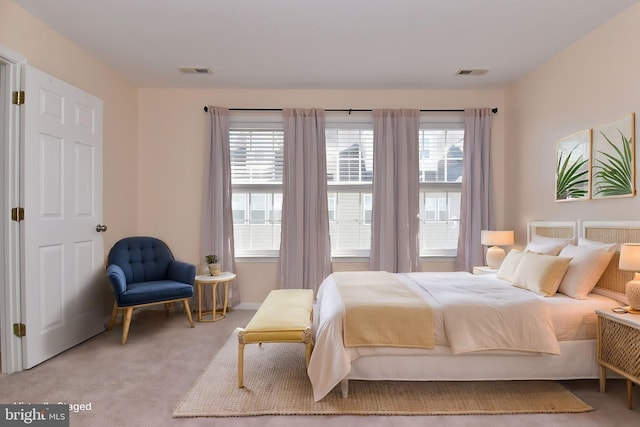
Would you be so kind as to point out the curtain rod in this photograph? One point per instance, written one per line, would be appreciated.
(342, 110)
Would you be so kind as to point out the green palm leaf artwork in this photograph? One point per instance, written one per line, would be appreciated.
(613, 171)
(572, 176)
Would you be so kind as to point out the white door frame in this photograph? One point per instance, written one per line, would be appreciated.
(13, 66)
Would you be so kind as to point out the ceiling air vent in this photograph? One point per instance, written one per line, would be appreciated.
(195, 70)
(472, 72)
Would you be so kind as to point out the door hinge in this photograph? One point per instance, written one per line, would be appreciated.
(18, 97)
(19, 330)
(17, 214)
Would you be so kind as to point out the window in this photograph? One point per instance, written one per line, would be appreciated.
(440, 153)
(256, 177)
(256, 145)
(349, 148)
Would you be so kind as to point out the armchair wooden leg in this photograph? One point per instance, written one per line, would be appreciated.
(187, 310)
(114, 316)
(126, 322)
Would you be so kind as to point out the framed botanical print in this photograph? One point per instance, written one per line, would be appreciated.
(572, 167)
(613, 159)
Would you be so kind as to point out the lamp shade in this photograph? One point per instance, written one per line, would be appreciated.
(630, 261)
(496, 237)
(629, 257)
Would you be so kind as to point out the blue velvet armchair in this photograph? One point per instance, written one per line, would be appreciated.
(143, 271)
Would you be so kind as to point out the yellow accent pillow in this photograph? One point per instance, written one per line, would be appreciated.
(540, 273)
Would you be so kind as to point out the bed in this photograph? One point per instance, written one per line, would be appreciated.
(453, 353)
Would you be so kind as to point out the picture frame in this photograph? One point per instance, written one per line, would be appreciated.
(573, 167)
(613, 159)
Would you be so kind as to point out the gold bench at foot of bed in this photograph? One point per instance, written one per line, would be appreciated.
(284, 316)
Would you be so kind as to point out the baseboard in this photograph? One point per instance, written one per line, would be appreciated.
(247, 306)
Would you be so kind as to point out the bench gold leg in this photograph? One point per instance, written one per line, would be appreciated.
(306, 339)
(240, 364)
(308, 355)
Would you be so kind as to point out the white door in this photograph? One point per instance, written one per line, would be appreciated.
(63, 275)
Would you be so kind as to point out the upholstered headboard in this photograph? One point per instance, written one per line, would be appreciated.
(613, 281)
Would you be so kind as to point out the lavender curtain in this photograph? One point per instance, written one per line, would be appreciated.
(476, 210)
(305, 251)
(217, 216)
(394, 225)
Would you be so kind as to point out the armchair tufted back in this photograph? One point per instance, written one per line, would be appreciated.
(142, 258)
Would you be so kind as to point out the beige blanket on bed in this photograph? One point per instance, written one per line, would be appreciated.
(380, 310)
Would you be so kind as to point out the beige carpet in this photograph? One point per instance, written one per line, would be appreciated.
(276, 384)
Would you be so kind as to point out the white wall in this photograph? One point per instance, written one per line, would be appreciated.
(593, 81)
(172, 129)
(154, 138)
(47, 50)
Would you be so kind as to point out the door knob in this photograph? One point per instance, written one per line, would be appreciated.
(101, 227)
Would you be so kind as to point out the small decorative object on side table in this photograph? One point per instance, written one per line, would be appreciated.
(225, 278)
(484, 270)
(619, 347)
(212, 265)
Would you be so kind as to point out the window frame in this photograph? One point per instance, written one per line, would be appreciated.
(439, 121)
(274, 120)
(250, 121)
(362, 121)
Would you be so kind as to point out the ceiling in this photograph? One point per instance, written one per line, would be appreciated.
(332, 44)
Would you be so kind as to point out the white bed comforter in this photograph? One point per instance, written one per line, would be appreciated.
(471, 314)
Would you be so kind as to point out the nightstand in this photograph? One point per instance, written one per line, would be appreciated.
(484, 270)
(619, 347)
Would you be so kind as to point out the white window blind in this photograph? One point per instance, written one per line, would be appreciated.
(256, 156)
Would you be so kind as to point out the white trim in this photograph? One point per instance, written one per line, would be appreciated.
(13, 65)
(247, 306)
(11, 57)
(532, 225)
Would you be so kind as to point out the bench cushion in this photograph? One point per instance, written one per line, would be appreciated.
(283, 315)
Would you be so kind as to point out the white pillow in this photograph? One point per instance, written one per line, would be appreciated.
(606, 246)
(546, 245)
(508, 267)
(540, 273)
(586, 267)
(544, 248)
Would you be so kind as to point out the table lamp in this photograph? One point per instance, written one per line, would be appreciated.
(494, 239)
(630, 261)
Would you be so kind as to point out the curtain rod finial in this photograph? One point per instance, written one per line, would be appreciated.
(206, 109)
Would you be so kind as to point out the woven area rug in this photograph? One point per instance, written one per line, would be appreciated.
(276, 383)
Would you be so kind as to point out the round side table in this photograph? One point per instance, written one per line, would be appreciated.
(225, 278)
